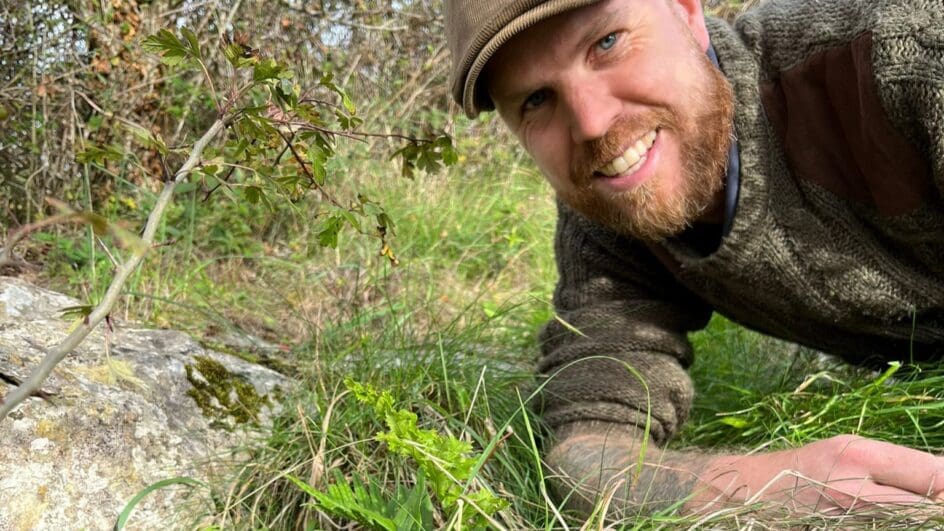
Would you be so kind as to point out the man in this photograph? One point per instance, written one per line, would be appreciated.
(786, 172)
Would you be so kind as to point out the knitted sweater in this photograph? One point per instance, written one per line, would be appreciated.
(838, 238)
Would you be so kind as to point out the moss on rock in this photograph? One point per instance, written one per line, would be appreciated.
(222, 395)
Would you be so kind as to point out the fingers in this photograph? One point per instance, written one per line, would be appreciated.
(879, 501)
(855, 495)
(895, 466)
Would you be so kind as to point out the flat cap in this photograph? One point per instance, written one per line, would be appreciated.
(476, 29)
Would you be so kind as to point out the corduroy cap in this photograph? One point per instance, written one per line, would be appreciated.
(476, 29)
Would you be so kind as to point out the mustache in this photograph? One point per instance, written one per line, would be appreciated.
(600, 151)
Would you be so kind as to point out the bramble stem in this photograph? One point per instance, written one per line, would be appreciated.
(57, 354)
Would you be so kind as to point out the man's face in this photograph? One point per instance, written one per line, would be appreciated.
(622, 110)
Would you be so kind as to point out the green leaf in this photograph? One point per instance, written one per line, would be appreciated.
(254, 126)
(126, 513)
(353, 502)
(234, 54)
(445, 460)
(99, 155)
(185, 187)
(348, 103)
(328, 235)
(324, 143)
(162, 41)
(408, 169)
(194, 42)
(327, 81)
(95, 122)
(305, 487)
(75, 312)
(414, 508)
(735, 422)
(385, 221)
(288, 91)
(147, 138)
(267, 68)
(319, 159)
(447, 151)
(351, 219)
(239, 148)
(428, 161)
(172, 51)
(252, 194)
(347, 122)
(408, 154)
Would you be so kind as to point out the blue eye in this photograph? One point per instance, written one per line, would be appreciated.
(536, 99)
(607, 42)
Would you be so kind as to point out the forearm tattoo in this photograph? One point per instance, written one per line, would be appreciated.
(597, 467)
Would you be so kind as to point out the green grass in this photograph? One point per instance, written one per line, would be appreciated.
(451, 335)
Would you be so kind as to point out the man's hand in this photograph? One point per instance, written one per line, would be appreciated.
(842, 474)
(594, 463)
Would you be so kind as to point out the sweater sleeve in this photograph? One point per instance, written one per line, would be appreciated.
(617, 351)
(908, 58)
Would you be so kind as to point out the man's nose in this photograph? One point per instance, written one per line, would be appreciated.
(592, 111)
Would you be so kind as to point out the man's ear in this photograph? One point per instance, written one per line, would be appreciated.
(691, 13)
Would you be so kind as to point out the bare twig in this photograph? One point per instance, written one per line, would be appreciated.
(101, 311)
(209, 78)
(13, 380)
(6, 254)
(353, 135)
(109, 114)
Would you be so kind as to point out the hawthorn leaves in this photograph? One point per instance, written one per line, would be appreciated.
(282, 138)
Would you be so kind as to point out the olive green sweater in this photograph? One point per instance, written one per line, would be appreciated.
(838, 238)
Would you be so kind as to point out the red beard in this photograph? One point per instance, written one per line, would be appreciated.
(647, 211)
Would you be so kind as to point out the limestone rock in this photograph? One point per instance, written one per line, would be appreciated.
(121, 416)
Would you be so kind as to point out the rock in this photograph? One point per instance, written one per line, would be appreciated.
(125, 411)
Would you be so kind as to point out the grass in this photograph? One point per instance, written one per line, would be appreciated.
(458, 385)
(450, 334)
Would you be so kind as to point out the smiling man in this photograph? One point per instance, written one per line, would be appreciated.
(786, 172)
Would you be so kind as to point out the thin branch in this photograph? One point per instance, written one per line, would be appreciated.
(109, 114)
(101, 311)
(353, 135)
(6, 254)
(13, 380)
(233, 167)
(209, 78)
(314, 182)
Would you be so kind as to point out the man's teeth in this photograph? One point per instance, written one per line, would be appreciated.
(632, 158)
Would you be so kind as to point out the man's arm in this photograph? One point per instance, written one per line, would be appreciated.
(617, 350)
(593, 464)
(615, 363)
(908, 64)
